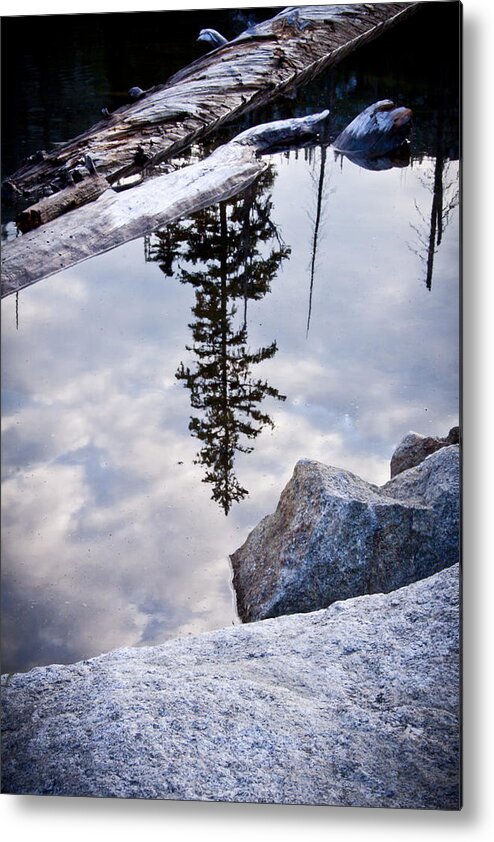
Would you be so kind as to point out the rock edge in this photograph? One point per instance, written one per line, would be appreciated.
(355, 705)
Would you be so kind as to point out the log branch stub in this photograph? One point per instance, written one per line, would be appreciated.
(60, 203)
(116, 218)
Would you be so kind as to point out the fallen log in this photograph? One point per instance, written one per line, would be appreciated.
(59, 203)
(118, 217)
(264, 62)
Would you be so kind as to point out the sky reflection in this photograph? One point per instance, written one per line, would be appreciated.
(110, 537)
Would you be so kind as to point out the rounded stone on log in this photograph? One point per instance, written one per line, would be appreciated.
(136, 92)
(376, 131)
(230, 83)
(212, 37)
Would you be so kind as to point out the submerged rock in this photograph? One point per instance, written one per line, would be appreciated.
(335, 536)
(414, 448)
(356, 705)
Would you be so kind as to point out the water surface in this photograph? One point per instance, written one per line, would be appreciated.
(326, 299)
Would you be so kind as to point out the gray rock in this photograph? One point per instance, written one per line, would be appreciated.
(334, 536)
(435, 483)
(354, 705)
(377, 131)
(414, 448)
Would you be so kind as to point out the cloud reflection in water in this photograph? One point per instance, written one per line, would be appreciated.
(109, 535)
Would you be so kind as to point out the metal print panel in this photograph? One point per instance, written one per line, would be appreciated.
(230, 404)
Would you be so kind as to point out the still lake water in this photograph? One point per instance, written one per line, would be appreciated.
(111, 535)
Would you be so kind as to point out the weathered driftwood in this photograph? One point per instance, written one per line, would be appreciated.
(115, 218)
(265, 61)
(59, 203)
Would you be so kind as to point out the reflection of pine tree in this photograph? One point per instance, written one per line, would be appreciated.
(163, 247)
(220, 255)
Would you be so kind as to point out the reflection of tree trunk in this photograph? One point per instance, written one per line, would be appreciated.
(317, 223)
(221, 246)
(445, 194)
(438, 193)
(225, 444)
(436, 226)
(244, 250)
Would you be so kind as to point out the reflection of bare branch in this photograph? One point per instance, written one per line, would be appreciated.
(451, 191)
(445, 198)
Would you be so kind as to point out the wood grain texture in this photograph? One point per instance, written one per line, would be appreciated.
(118, 217)
(52, 206)
(265, 61)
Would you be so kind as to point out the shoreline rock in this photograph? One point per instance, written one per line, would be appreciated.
(335, 536)
(414, 448)
(354, 705)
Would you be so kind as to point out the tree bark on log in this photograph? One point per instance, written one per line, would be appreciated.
(73, 197)
(116, 218)
(267, 60)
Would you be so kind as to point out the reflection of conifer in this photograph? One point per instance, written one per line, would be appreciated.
(221, 387)
(163, 247)
(220, 253)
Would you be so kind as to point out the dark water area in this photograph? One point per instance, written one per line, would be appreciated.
(59, 71)
(155, 399)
